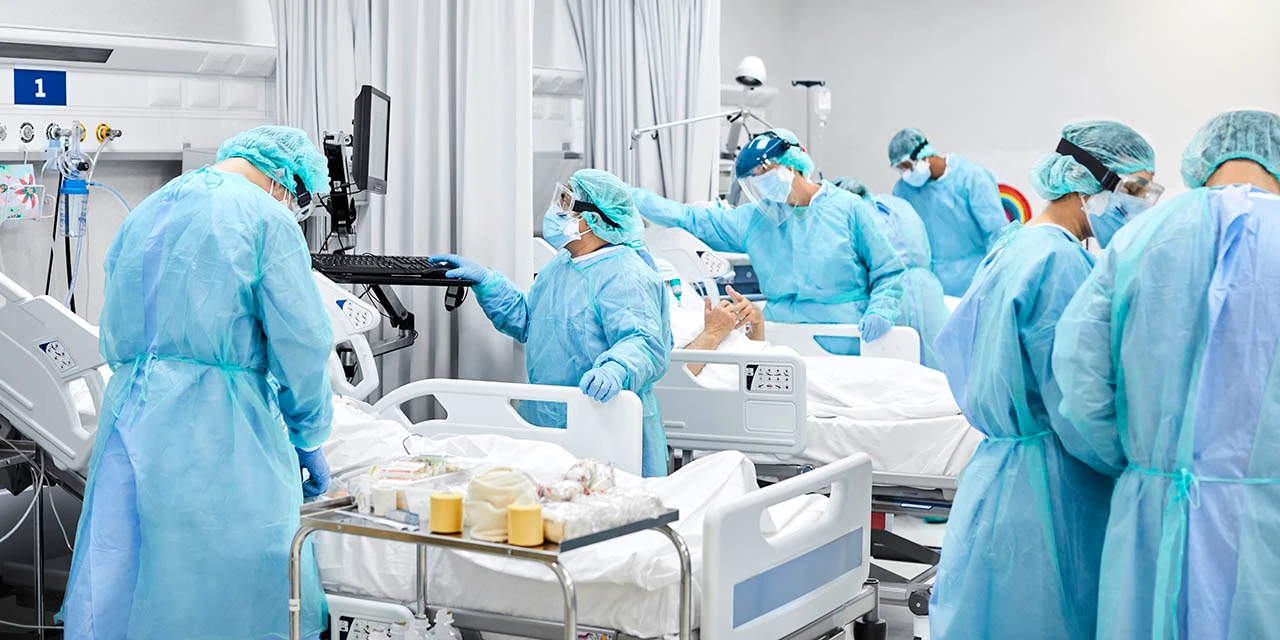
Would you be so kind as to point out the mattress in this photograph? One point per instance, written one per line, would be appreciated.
(630, 584)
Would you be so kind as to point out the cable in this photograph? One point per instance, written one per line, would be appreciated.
(53, 240)
(5, 622)
(53, 506)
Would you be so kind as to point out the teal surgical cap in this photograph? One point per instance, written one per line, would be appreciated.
(1234, 135)
(907, 141)
(282, 153)
(1116, 146)
(613, 197)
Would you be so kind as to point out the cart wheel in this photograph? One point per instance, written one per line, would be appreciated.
(870, 630)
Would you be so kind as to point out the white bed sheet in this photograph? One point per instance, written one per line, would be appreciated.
(631, 584)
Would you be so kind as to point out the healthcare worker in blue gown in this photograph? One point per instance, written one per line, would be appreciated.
(596, 317)
(219, 340)
(922, 307)
(820, 256)
(1021, 551)
(958, 201)
(1167, 363)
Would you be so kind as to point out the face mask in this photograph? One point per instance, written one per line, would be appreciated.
(1108, 211)
(559, 230)
(918, 174)
(772, 187)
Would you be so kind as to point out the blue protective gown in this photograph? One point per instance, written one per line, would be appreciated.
(1167, 361)
(1021, 550)
(922, 307)
(828, 263)
(963, 214)
(194, 486)
(607, 306)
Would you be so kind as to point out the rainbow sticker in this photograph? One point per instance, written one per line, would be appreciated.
(1016, 207)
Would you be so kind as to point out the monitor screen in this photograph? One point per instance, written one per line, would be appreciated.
(379, 117)
(370, 144)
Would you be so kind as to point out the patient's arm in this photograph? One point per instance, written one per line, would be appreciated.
(718, 321)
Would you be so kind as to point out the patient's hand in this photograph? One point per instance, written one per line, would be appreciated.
(718, 320)
(748, 314)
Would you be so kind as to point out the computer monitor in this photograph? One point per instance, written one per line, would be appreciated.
(369, 147)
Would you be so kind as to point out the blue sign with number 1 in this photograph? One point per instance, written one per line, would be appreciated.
(40, 87)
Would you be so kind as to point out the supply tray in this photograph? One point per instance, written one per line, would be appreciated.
(335, 515)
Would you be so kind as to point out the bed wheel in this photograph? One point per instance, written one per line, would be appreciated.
(918, 602)
(873, 630)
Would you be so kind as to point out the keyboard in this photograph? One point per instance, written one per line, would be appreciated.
(371, 269)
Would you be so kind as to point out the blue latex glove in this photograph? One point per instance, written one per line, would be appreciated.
(873, 327)
(318, 468)
(603, 382)
(468, 269)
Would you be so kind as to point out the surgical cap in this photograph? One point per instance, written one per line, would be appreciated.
(852, 185)
(613, 197)
(794, 157)
(906, 141)
(281, 153)
(1116, 146)
(1234, 135)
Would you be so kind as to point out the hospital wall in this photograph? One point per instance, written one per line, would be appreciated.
(995, 80)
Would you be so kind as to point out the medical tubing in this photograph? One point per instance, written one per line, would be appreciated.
(75, 270)
(54, 508)
(114, 192)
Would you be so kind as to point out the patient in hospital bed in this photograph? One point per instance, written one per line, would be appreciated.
(855, 404)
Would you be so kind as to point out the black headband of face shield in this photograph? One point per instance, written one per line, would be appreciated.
(581, 205)
(916, 152)
(300, 193)
(1106, 177)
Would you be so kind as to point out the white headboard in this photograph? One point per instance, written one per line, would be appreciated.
(44, 349)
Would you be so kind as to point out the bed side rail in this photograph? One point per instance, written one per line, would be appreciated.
(759, 586)
(609, 432)
(764, 414)
(901, 343)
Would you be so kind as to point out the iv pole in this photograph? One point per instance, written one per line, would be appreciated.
(736, 116)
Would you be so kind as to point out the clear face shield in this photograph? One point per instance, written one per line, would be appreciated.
(769, 182)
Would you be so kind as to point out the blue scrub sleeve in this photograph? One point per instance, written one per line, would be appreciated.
(506, 306)
(298, 336)
(1083, 364)
(721, 229)
(985, 205)
(884, 267)
(635, 318)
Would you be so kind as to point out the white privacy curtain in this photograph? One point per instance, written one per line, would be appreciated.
(459, 177)
(647, 63)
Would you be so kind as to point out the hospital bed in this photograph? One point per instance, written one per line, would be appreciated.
(55, 348)
(764, 413)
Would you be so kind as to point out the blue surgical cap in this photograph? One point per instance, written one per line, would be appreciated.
(1116, 146)
(768, 147)
(1234, 135)
(852, 185)
(281, 153)
(613, 197)
(906, 141)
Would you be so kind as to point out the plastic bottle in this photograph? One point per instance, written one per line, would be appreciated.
(418, 629)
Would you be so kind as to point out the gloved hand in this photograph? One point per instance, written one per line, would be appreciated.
(464, 268)
(318, 468)
(603, 382)
(873, 327)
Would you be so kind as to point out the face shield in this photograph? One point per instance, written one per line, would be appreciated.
(770, 185)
